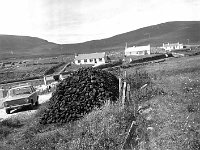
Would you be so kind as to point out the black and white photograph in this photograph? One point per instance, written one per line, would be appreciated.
(99, 74)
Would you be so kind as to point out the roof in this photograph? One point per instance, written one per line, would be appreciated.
(90, 56)
(21, 85)
(138, 48)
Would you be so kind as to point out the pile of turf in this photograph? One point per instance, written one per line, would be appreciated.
(79, 94)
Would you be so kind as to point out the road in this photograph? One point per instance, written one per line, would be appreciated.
(24, 113)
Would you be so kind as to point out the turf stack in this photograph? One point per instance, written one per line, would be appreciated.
(79, 94)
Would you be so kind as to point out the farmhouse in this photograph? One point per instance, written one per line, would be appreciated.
(172, 46)
(92, 58)
(139, 50)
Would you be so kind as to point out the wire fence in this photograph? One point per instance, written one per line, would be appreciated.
(132, 89)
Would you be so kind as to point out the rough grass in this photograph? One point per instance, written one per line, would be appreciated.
(174, 118)
(175, 115)
(104, 128)
(8, 126)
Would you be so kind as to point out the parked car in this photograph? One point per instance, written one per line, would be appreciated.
(20, 96)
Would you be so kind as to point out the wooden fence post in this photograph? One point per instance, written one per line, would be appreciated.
(120, 87)
(124, 94)
(128, 92)
(124, 74)
(133, 103)
(130, 142)
(124, 90)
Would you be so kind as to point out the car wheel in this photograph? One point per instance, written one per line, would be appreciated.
(36, 103)
(31, 106)
(8, 111)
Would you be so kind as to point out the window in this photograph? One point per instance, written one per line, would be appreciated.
(100, 59)
(20, 91)
(79, 61)
(85, 60)
(140, 52)
(91, 60)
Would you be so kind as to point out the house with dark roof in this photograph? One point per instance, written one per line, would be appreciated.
(92, 58)
(172, 46)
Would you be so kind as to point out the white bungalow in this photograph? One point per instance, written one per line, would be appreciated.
(92, 58)
(139, 50)
(172, 46)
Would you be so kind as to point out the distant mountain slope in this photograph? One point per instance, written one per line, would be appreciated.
(11, 42)
(178, 31)
(16, 46)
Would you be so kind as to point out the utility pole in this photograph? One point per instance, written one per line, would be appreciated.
(149, 36)
(126, 46)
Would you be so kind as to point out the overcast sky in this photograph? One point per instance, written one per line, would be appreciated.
(73, 21)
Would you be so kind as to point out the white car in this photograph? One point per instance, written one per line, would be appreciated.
(20, 96)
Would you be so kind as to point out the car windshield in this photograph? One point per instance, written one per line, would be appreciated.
(20, 91)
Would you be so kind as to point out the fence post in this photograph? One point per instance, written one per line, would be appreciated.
(130, 141)
(124, 90)
(128, 92)
(124, 93)
(120, 87)
(124, 74)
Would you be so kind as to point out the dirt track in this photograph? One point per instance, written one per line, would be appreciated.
(24, 113)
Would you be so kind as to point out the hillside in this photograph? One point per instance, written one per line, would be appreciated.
(16, 46)
(178, 31)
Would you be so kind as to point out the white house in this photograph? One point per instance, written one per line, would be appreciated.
(139, 50)
(172, 46)
(92, 58)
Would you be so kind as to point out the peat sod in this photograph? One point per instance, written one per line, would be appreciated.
(79, 94)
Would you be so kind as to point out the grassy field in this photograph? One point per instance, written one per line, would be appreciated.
(27, 68)
(176, 116)
(173, 93)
